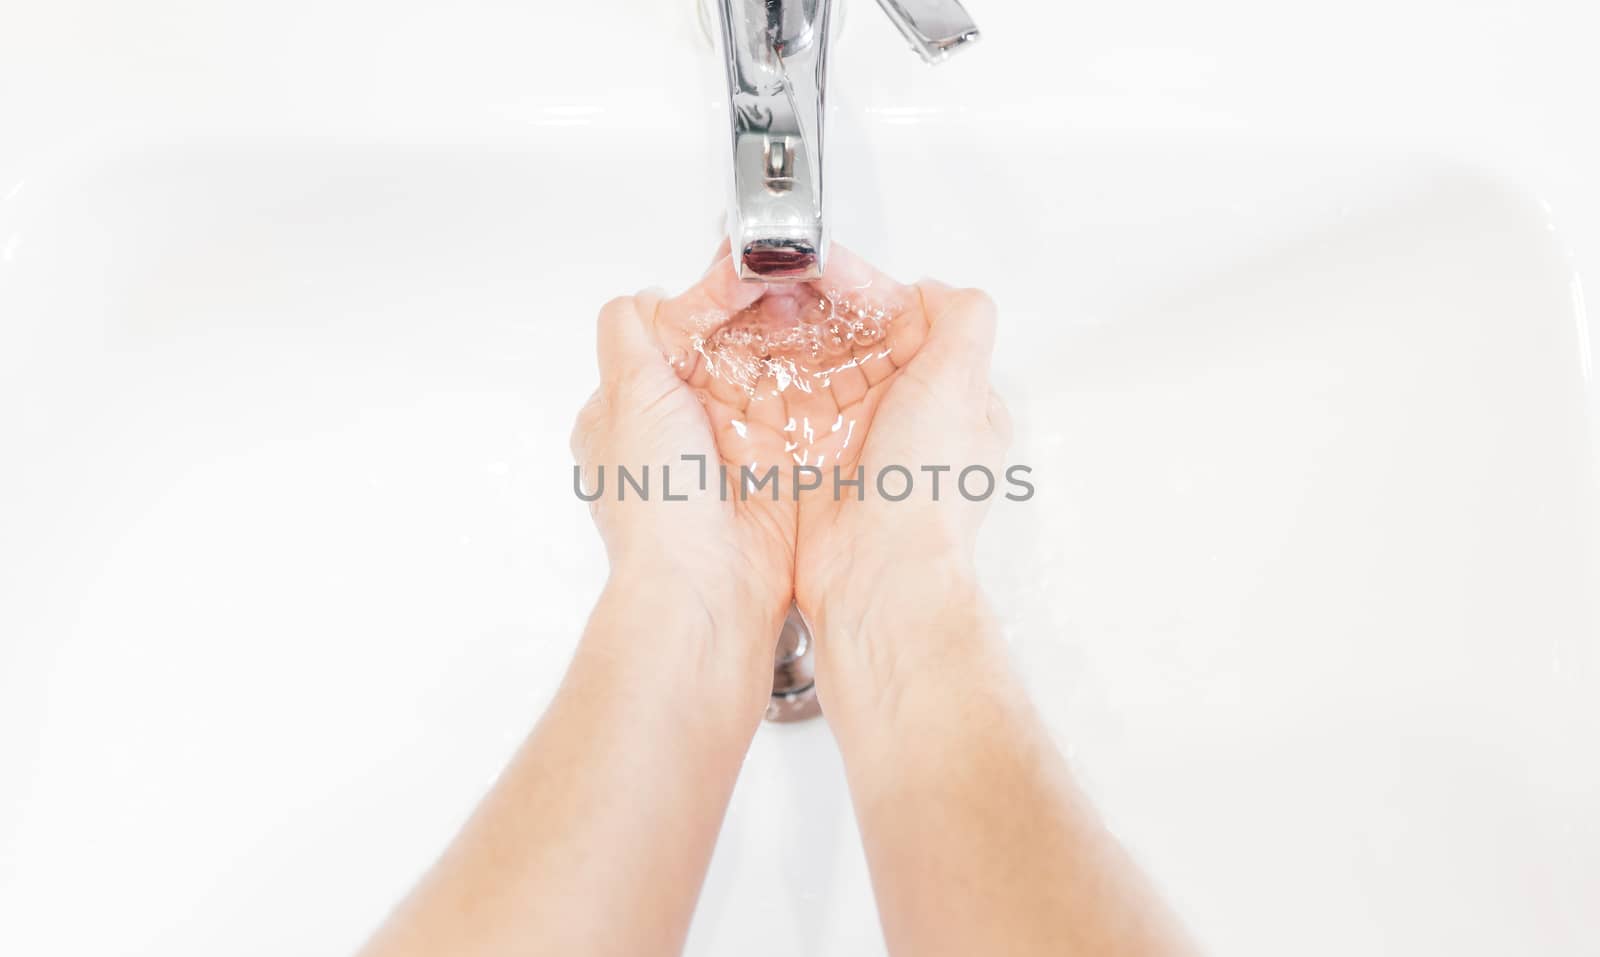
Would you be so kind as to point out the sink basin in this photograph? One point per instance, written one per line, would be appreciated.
(293, 330)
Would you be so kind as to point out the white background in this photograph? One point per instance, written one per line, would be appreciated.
(295, 310)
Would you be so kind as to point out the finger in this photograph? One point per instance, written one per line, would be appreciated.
(960, 337)
(814, 415)
(848, 385)
(853, 284)
(681, 320)
(1000, 418)
(724, 250)
(584, 427)
(769, 412)
(633, 367)
(621, 338)
(732, 433)
(727, 380)
(850, 276)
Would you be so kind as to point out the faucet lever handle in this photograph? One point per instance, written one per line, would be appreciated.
(935, 28)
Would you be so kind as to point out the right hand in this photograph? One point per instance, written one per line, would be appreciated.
(875, 576)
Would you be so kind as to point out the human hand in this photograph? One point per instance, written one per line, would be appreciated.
(851, 375)
(725, 562)
(880, 578)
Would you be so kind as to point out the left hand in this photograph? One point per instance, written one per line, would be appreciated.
(728, 558)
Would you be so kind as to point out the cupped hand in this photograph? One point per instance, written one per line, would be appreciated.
(871, 567)
(898, 390)
(732, 558)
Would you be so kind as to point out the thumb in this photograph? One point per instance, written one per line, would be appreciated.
(960, 343)
(626, 348)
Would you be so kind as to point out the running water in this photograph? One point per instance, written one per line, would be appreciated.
(792, 369)
(798, 339)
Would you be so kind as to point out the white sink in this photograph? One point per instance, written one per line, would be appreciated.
(296, 307)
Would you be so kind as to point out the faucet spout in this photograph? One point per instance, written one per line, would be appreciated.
(775, 52)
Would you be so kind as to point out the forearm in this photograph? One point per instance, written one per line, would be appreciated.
(596, 837)
(977, 838)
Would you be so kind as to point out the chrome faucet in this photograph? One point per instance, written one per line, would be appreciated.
(776, 54)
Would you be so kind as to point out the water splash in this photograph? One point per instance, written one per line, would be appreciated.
(792, 341)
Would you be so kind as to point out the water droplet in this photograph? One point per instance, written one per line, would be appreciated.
(836, 335)
(867, 331)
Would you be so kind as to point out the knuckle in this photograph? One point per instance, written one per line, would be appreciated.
(621, 307)
(577, 442)
(1000, 418)
(614, 317)
(584, 427)
(977, 301)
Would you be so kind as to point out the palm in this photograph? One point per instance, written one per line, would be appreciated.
(790, 375)
(830, 376)
(930, 408)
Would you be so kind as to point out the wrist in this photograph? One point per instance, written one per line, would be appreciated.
(878, 659)
(740, 598)
(682, 652)
(868, 601)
